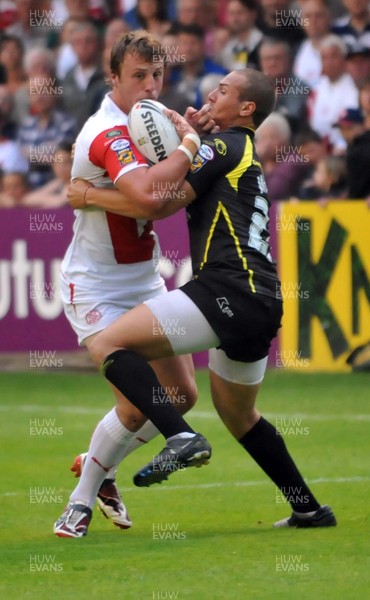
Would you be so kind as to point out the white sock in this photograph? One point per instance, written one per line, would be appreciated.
(146, 433)
(108, 447)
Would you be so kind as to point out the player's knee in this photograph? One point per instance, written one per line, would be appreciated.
(188, 395)
(99, 350)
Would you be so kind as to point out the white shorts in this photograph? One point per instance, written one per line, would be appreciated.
(189, 331)
(87, 318)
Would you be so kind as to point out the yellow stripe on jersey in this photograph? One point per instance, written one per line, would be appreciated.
(222, 209)
(238, 247)
(210, 234)
(246, 161)
(256, 163)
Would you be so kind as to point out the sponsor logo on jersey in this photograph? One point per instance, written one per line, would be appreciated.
(113, 133)
(124, 151)
(224, 306)
(120, 145)
(220, 146)
(206, 152)
(204, 155)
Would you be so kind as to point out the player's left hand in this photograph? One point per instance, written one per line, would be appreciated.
(76, 193)
(201, 120)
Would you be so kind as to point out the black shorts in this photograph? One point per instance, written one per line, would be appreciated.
(244, 321)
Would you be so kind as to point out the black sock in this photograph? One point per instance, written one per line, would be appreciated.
(266, 446)
(135, 378)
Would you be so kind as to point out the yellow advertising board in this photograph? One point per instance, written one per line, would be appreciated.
(324, 266)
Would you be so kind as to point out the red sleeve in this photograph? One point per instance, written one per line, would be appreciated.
(114, 151)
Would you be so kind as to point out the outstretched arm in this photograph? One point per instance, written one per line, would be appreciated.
(163, 202)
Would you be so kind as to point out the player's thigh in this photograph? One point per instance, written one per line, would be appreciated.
(164, 326)
(234, 388)
(177, 376)
(136, 330)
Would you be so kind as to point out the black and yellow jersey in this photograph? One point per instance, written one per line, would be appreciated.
(229, 220)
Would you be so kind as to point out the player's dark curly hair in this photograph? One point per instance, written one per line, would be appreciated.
(258, 89)
(138, 42)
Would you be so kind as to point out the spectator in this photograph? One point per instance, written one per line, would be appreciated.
(11, 57)
(8, 15)
(186, 78)
(358, 64)
(291, 91)
(329, 180)
(84, 86)
(66, 58)
(30, 26)
(216, 34)
(114, 29)
(54, 193)
(282, 167)
(354, 28)
(313, 149)
(11, 158)
(100, 11)
(191, 12)
(220, 38)
(169, 96)
(242, 49)
(39, 65)
(152, 16)
(336, 7)
(358, 153)
(13, 188)
(41, 131)
(202, 13)
(316, 18)
(77, 9)
(279, 20)
(351, 124)
(311, 146)
(334, 92)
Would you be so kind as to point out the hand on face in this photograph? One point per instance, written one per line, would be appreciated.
(201, 120)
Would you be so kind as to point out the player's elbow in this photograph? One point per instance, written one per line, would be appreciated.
(151, 207)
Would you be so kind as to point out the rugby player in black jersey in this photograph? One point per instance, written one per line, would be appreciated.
(231, 306)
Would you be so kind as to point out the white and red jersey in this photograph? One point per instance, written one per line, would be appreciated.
(110, 256)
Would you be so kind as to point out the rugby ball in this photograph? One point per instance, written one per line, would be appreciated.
(153, 134)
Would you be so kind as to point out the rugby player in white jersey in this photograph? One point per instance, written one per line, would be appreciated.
(111, 265)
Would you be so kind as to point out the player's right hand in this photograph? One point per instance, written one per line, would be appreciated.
(76, 193)
(181, 125)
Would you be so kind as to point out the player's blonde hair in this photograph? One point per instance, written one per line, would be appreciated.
(138, 42)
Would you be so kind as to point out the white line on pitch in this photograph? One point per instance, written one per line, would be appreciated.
(222, 484)
(198, 414)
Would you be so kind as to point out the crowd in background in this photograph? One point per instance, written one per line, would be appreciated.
(54, 73)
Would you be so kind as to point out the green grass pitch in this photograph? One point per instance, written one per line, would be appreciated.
(206, 533)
